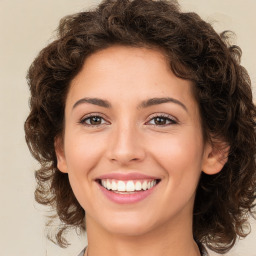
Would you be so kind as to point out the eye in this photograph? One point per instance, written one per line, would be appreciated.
(93, 120)
(162, 120)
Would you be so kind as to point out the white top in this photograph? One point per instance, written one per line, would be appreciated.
(82, 252)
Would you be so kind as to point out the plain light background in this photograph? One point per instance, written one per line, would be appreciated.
(25, 28)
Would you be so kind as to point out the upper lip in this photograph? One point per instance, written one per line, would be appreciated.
(126, 176)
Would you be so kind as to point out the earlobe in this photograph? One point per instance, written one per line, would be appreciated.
(215, 157)
(60, 154)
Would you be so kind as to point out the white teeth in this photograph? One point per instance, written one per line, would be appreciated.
(121, 186)
(138, 186)
(114, 185)
(129, 186)
(108, 185)
(144, 185)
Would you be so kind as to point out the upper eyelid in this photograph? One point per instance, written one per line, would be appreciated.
(162, 115)
(94, 114)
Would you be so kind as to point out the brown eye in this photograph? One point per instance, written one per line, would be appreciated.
(162, 121)
(93, 121)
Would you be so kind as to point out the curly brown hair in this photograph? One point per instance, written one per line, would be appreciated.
(195, 52)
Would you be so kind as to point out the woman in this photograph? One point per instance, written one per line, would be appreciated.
(143, 122)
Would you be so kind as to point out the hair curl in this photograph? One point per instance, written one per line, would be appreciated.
(195, 52)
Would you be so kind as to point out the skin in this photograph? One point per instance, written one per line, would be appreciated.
(127, 138)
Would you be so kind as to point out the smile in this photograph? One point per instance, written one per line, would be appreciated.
(127, 186)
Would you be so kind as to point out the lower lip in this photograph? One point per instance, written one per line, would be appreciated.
(126, 198)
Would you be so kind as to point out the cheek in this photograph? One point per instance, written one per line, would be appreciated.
(82, 155)
(81, 159)
(180, 156)
(83, 152)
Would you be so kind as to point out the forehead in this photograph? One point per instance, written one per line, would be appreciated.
(117, 58)
(120, 71)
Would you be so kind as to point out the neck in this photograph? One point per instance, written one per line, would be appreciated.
(169, 240)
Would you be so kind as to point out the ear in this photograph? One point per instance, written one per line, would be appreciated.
(215, 157)
(60, 154)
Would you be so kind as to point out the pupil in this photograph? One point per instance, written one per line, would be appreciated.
(95, 120)
(160, 120)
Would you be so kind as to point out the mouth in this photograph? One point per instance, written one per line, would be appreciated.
(127, 186)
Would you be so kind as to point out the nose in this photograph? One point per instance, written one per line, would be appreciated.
(126, 145)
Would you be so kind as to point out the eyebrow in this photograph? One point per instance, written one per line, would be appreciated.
(144, 104)
(94, 101)
(157, 101)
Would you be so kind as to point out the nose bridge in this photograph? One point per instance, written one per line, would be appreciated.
(125, 143)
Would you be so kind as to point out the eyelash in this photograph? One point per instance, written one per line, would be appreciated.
(89, 117)
(166, 117)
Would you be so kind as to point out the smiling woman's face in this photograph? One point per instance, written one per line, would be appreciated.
(133, 145)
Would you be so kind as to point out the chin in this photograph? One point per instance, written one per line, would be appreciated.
(129, 229)
(129, 225)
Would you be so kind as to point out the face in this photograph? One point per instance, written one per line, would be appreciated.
(133, 146)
